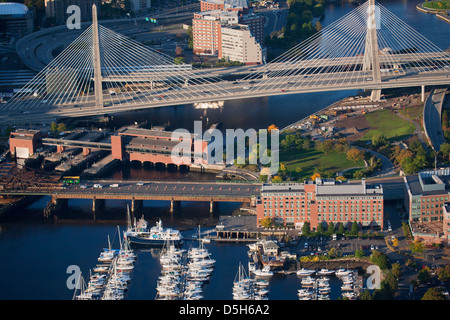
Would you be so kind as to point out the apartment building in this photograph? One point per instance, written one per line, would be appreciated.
(321, 202)
(426, 195)
(228, 5)
(207, 29)
(238, 44)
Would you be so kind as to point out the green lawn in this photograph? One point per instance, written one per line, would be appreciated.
(389, 124)
(443, 5)
(311, 159)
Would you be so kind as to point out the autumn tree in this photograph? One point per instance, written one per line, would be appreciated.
(355, 155)
(266, 222)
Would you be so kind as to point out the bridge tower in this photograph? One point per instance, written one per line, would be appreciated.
(371, 59)
(96, 60)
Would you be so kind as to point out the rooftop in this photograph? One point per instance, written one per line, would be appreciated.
(429, 182)
(230, 3)
(12, 9)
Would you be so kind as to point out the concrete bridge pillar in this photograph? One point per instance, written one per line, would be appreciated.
(375, 95)
(212, 206)
(423, 93)
(135, 204)
(97, 204)
(174, 205)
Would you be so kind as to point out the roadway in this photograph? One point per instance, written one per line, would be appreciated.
(27, 113)
(432, 117)
(155, 190)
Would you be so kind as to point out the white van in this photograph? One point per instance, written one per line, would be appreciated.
(98, 186)
(115, 185)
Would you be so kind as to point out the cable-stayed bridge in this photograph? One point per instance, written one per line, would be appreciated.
(103, 72)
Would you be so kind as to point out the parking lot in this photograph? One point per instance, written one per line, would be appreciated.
(344, 245)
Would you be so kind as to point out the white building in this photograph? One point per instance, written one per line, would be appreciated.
(238, 44)
(140, 5)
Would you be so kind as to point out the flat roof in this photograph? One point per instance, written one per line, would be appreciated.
(415, 186)
(147, 132)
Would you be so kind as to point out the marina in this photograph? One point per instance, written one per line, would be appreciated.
(110, 278)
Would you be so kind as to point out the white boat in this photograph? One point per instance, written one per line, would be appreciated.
(325, 272)
(304, 293)
(308, 281)
(261, 283)
(101, 269)
(264, 272)
(323, 283)
(305, 272)
(347, 287)
(157, 236)
(349, 294)
(347, 280)
(253, 246)
(323, 297)
(324, 290)
(342, 272)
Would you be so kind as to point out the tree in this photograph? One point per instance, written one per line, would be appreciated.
(320, 228)
(179, 60)
(306, 229)
(396, 270)
(354, 229)
(359, 254)
(355, 155)
(266, 222)
(315, 176)
(379, 259)
(272, 127)
(433, 294)
(443, 273)
(416, 246)
(341, 229)
(395, 242)
(53, 127)
(326, 146)
(62, 127)
(365, 295)
(331, 228)
(445, 150)
(379, 140)
(424, 275)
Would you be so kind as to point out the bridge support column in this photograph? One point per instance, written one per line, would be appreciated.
(97, 204)
(212, 206)
(423, 94)
(53, 205)
(135, 204)
(174, 205)
(375, 95)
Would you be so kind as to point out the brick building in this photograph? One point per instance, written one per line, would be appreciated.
(155, 146)
(228, 5)
(207, 32)
(321, 201)
(426, 195)
(23, 143)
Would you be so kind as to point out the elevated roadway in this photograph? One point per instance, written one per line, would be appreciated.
(229, 91)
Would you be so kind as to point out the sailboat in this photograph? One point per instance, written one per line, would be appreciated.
(108, 254)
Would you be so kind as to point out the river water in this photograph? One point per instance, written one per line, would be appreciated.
(36, 254)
